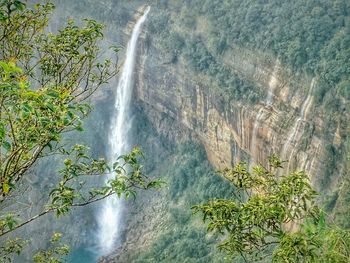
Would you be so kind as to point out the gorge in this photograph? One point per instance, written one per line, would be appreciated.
(203, 85)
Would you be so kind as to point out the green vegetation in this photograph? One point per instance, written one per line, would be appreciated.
(190, 179)
(273, 219)
(201, 60)
(338, 201)
(313, 40)
(45, 81)
(297, 39)
(309, 39)
(113, 14)
(52, 254)
(194, 49)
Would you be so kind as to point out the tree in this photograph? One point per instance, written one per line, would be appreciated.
(45, 81)
(273, 218)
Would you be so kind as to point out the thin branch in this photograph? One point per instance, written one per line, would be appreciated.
(52, 209)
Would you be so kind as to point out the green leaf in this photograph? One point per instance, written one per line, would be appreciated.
(26, 107)
(19, 5)
(5, 66)
(50, 107)
(2, 131)
(6, 145)
(79, 128)
(53, 93)
(2, 16)
(5, 188)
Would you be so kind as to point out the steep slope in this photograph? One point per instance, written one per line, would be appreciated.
(212, 72)
(245, 99)
(245, 102)
(231, 76)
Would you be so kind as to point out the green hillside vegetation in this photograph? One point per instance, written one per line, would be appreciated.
(313, 37)
(191, 180)
(310, 38)
(246, 214)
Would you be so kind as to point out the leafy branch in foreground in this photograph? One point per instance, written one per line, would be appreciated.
(54, 253)
(273, 218)
(45, 82)
(45, 79)
(126, 176)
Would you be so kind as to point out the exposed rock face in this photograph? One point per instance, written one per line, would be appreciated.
(179, 108)
(284, 121)
(235, 131)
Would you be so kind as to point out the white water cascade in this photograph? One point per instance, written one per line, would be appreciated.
(273, 82)
(109, 217)
(298, 128)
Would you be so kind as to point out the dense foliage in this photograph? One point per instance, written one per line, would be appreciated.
(273, 218)
(298, 39)
(196, 50)
(311, 37)
(190, 180)
(308, 39)
(46, 77)
(45, 81)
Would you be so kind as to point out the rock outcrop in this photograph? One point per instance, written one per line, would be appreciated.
(235, 131)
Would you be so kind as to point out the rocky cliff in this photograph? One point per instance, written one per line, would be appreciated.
(283, 122)
(180, 107)
(180, 104)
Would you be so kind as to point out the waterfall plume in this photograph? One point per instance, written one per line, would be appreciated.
(110, 213)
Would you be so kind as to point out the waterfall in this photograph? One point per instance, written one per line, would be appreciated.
(273, 82)
(296, 132)
(109, 217)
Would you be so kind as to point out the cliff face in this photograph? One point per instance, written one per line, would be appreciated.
(280, 123)
(180, 107)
